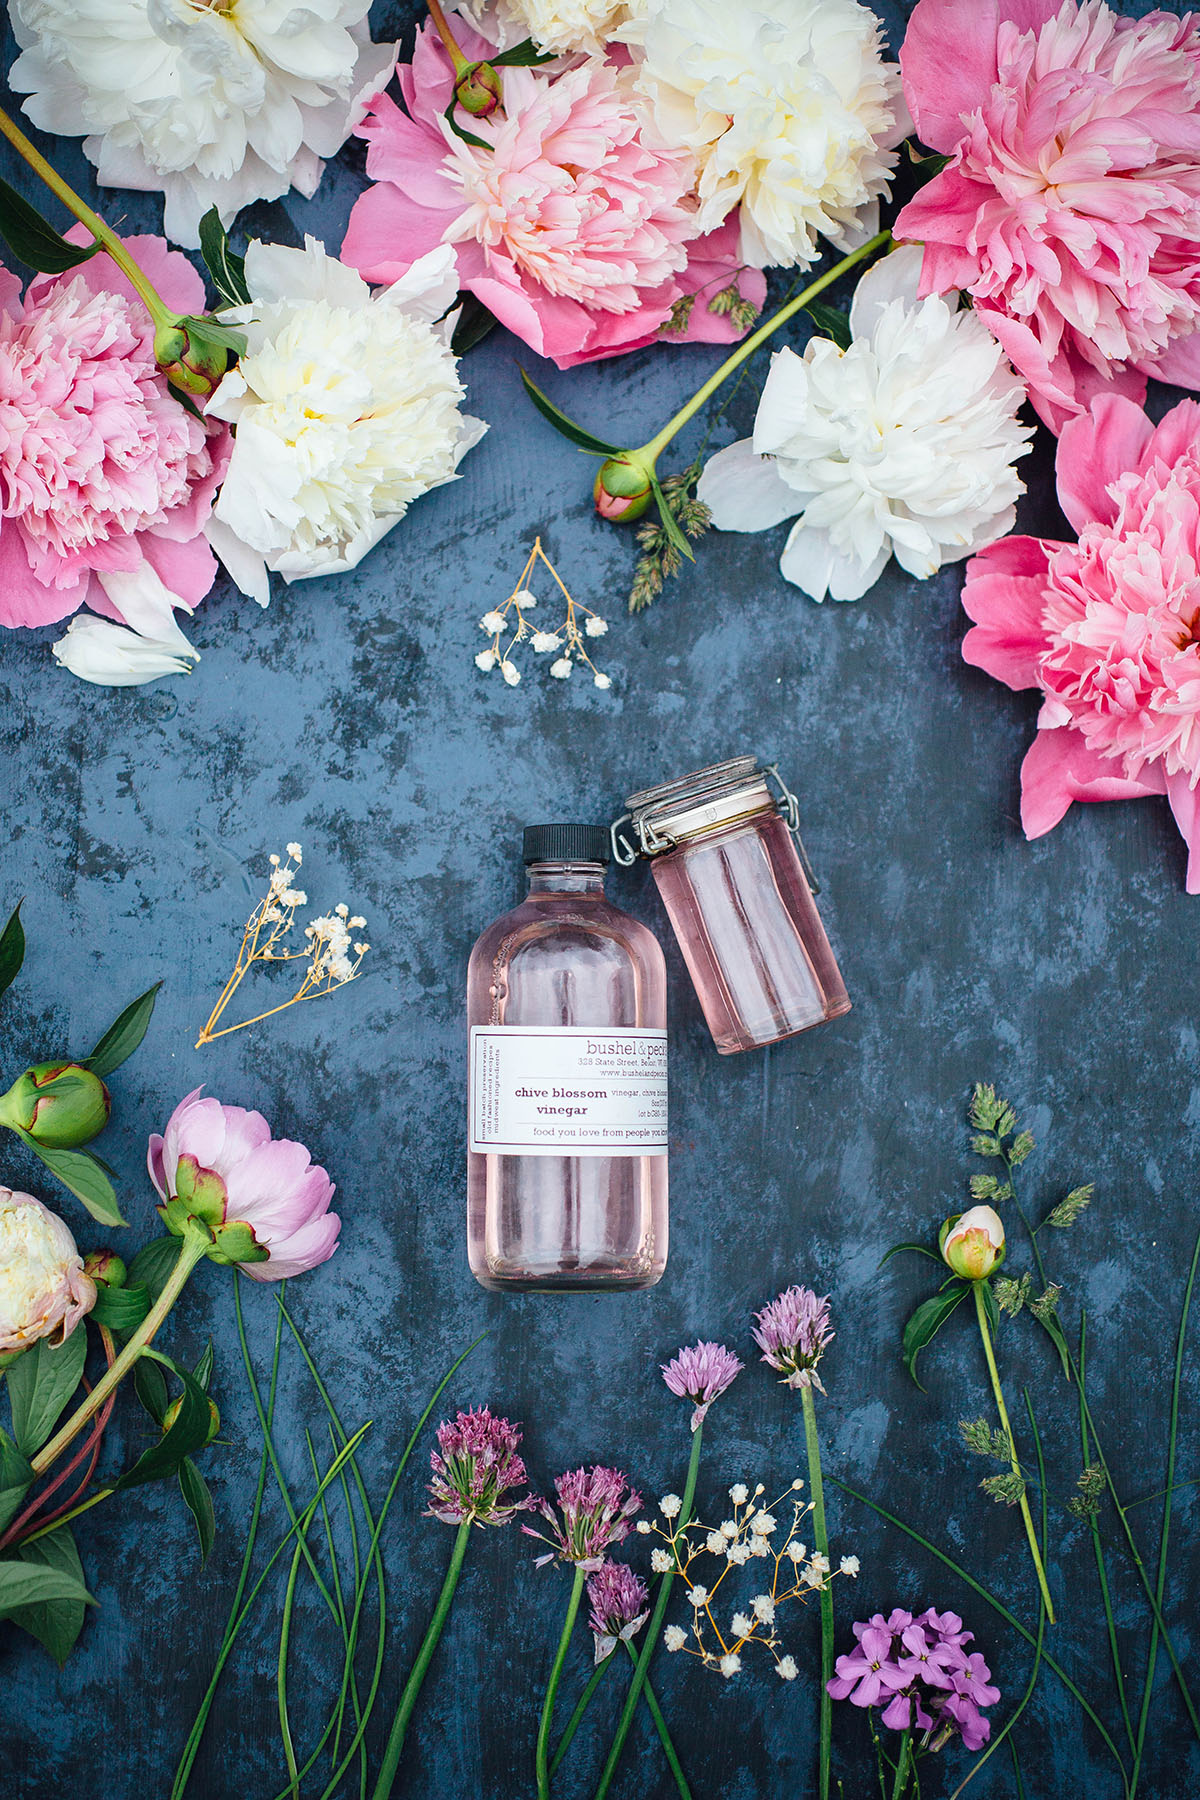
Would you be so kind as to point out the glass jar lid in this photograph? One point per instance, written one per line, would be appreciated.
(672, 812)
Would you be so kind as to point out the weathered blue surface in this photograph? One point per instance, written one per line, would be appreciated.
(350, 716)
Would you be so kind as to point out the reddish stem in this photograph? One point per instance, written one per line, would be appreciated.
(90, 1445)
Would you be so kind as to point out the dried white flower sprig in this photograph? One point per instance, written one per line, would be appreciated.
(751, 1535)
(569, 639)
(331, 954)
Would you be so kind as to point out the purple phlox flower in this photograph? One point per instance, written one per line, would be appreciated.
(920, 1673)
(792, 1332)
(974, 1679)
(961, 1712)
(903, 1711)
(475, 1468)
(947, 1625)
(701, 1373)
(596, 1506)
(867, 1672)
(620, 1603)
(930, 1659)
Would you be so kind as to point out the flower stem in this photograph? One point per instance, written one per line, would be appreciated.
(821, 1535)
(664, 1736)
(547, 1718)
(581, 1706)
(191, 1249)
(65, 1518)
(653, 1629)
(902, 1763)
(1014, 1460)
(412, 1687)
(154, 304)
(654, 449)
(447, 36)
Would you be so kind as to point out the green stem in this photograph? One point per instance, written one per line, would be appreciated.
(458, 60)
(653, 1629)
(654, 449)
(581, 1706)
(1114, 1649)
(155, 306)
(998, 1392)
(664, 1736)
(542, 1758)
(902, 1764)
(821, 1536)
(412, 1687)
(285, 1632)
(191, 1249)
(65, 1518)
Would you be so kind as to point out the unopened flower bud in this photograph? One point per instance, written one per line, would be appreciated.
(189, 364)
(622, 491)
(214, 1419)
(105, 1268)
(972, 1243)
(478, 90)
(44, 1292)
(60, 1104)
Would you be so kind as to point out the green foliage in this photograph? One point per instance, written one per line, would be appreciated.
(40, 1383)
(84, 1174)
(225, 266)
(124, 1035)
(982, 1439)
(54, 1621)
(661, 556)
(153, 1264)
(1007, 1489)
(188, 1431)
(1012, 1293)
(120, 1309)
(1088, 1490)
(16, 1477)
(12, 949)
(831, 322)
(198, 1500)
(475, 321)
(574, 434)
(927, 1321)
(34, 241)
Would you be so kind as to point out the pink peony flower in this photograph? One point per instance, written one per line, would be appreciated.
(44, 1291)
(1109, 627)
(1070, 208)
(264, 1200)
(575, 227)
(102, 473)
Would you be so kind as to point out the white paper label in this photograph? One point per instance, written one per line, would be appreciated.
(561, 1090)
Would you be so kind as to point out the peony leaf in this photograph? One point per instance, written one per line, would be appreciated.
(153, 1263)
(920, 1249)
(16, 1477)
(194, 1489)
(474, 323)
(33, 240)
(203, 330)
(456, 128)
(188, 1431)
(575, 434)
(150, 1386)
(670, 523)
(40, 1383)
(123, 1035)
(524, 55)
(12, 949)
(927, 1321)
(54, 1623)
(28, 1584)
(227, 268)
(84, 1174)
(121, 1309)
(204, 1368)
(831, 322)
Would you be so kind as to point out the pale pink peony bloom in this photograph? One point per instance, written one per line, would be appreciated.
(1108, 628)
(43, 1289)
(256, 1193)
(103, 475)
(1070, 208)
(575, 227)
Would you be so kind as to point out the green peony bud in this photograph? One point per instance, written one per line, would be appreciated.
(622, 491)
(478, 90)
(105, 1268)
(189, 364)
(60, 1104)
(214, 1419)
(972, 1243)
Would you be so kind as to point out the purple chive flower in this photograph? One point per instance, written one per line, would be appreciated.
(620, 1603)
(792, 1332)
(920, 1671)
(475, 1468)
(596, 1506)
(701, 1373)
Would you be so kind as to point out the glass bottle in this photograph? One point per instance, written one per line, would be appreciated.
(566, 1002)
(727, 863)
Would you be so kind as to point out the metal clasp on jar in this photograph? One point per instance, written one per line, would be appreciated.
(642, 838)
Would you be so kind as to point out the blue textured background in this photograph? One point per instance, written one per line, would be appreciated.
(350, 716)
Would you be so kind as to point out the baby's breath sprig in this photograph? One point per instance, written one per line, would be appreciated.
(660, 557)
(331, 955)
(509, 620)
(750, 1534)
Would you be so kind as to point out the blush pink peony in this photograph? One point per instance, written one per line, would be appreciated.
(1070, 207)
(575, 226)
(1109, 627)
(101, 469)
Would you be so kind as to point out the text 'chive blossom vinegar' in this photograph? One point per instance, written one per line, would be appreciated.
(567, 1004)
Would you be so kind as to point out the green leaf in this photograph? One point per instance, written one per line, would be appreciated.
(16, 1475)
(204, 1368)
(194, 1489)
(920, 1249)
(54, 1623)
(456, 128)
(926, 1322)
(27, 1584)
(1054, 1332)
(990, 1307)
(153, 1263)
(670, 523)
(84, 1174)
(33, 240)
(524, 55)
(12, 949)
(227, 268)
(474, 323)
(831, 322)
(121, 1309)
(203, 330)
(40, 1383)
(575, 434)
(123, 1035)
(150, 1386)
(188, 1431)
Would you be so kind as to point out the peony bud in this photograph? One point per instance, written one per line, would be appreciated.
(43, 1290)
(72, 1110)
(214, 1419)
(189, 363)
(622, 491)
(478, 90)
(105, 1268)
(972, 1243)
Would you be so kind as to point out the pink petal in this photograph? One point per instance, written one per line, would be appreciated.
(168, 271)
(24, 600)
(1179, 363)
(1094, 450)
(312, 1244)
(388, 232)
(411, 155)
(1004, 593)
(948, 59)
(1185, 805)
(1177, 432)
(189, 569)
(1059, 768)
(1062, 386)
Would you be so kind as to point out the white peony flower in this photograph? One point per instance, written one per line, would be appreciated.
(345, 406)
(789, 109)
(43, 1290)
(214, 104)
(902, 445)
(559, 25)
(147, 645)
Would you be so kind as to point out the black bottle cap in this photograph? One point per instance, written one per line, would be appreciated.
(567, 843)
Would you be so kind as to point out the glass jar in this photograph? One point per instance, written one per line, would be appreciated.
(727, 858)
